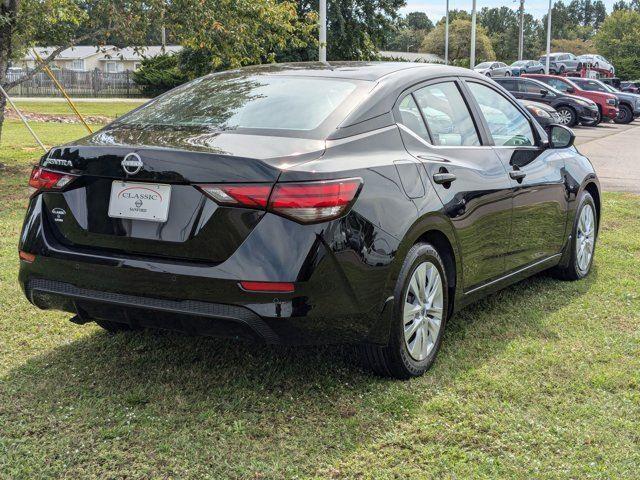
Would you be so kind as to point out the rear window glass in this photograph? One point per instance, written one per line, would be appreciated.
(247, 102)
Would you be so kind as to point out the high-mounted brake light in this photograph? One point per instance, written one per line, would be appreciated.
(304, 202)
(42, 179)
(240, 195)
(310, 202)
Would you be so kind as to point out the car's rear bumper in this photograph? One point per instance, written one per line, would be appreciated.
(331, 302)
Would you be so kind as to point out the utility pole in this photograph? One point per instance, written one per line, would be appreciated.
(446, 36)
(546, 67)
(472, 54)
(322, 34)
(521, 37)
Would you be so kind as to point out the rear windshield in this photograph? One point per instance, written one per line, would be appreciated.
(246, 102)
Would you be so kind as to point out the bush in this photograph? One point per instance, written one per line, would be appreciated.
(158, 74)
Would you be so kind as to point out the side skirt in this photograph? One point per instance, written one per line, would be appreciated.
(509, 279)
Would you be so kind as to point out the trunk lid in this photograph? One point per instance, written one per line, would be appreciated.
(196, 229)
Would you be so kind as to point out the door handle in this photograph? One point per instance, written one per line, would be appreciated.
(517, 175)
(442, 178)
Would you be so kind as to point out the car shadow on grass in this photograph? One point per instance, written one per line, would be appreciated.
(203, 383)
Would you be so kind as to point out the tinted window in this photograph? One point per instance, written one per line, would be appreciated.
(508, 84)
(527, 86)
(410, 117)
(258, 101)
(557, 84)
(508, 126)
(591, 86)
(447, 115)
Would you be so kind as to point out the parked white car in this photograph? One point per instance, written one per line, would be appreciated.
(493, 69)
(598, 61)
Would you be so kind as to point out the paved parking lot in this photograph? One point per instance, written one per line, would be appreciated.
(614, 150)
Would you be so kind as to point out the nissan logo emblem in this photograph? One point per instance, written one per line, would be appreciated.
(132, 164)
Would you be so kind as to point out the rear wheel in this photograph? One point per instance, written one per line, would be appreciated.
(507, 74)
(420, 313)
(583, 241)
(625, 115)
(567, 116)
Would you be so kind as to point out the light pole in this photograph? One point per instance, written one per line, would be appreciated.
(446, 36)
(521, 37)
(546, 68)
(472, 55)
(322, 34)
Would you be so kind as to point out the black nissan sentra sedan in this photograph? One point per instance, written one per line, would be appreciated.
(358, 203)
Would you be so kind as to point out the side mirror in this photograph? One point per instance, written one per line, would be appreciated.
(544, 92)
(560, 136)
(571, 90)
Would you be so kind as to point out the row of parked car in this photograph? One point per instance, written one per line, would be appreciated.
(572, 101)
(559, 64)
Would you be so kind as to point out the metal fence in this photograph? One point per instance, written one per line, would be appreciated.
(77, 84)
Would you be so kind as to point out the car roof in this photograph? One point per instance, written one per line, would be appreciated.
(368, 71)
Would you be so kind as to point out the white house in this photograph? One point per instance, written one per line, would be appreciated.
(108, 58)
(82, 58)
(122, 59)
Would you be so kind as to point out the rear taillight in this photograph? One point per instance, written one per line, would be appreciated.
(42, 179)
(239, 195)
(304, 202)
(310, 202)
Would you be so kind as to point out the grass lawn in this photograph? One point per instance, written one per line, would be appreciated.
(541, 380)
(110, 109)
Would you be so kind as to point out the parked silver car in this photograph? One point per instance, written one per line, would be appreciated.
(562, 62)
(597, 61)
(493, 69)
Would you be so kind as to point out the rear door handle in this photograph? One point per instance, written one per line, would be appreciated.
(441, 178)
(517, 175)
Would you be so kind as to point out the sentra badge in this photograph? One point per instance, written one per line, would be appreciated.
(57, 161)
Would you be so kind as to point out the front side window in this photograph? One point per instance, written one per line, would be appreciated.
(234, 101)
(447, 115)
(527, 86)
(507, 124)
(557, 84)
(592, 86)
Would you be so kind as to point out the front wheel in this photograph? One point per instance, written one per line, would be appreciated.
(567, 116)
(420, 313)
(583, 241)
(625, 115)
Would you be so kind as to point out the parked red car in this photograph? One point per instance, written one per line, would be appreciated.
(607, 102)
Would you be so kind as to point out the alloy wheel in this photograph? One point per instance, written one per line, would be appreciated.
(585, 238)
(422, 312)
(564, 116)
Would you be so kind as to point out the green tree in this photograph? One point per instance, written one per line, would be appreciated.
(159, 74)
(619, 40)
(64, 23)
(418, 21)
(459, 42)
(355, 28)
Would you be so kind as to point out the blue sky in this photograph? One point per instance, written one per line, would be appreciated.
(436, 8)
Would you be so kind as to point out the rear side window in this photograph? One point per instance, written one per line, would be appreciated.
(410, 117)
(508, 126)
(447, 115)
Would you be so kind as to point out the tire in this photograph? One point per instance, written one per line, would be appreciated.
(114, 327)
(625, 115)
(578, 266)
(413, 344)
(562, 69)
(568, 116)
(507, 74)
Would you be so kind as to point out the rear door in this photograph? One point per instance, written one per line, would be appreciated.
(439, 129)
(537, 183)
